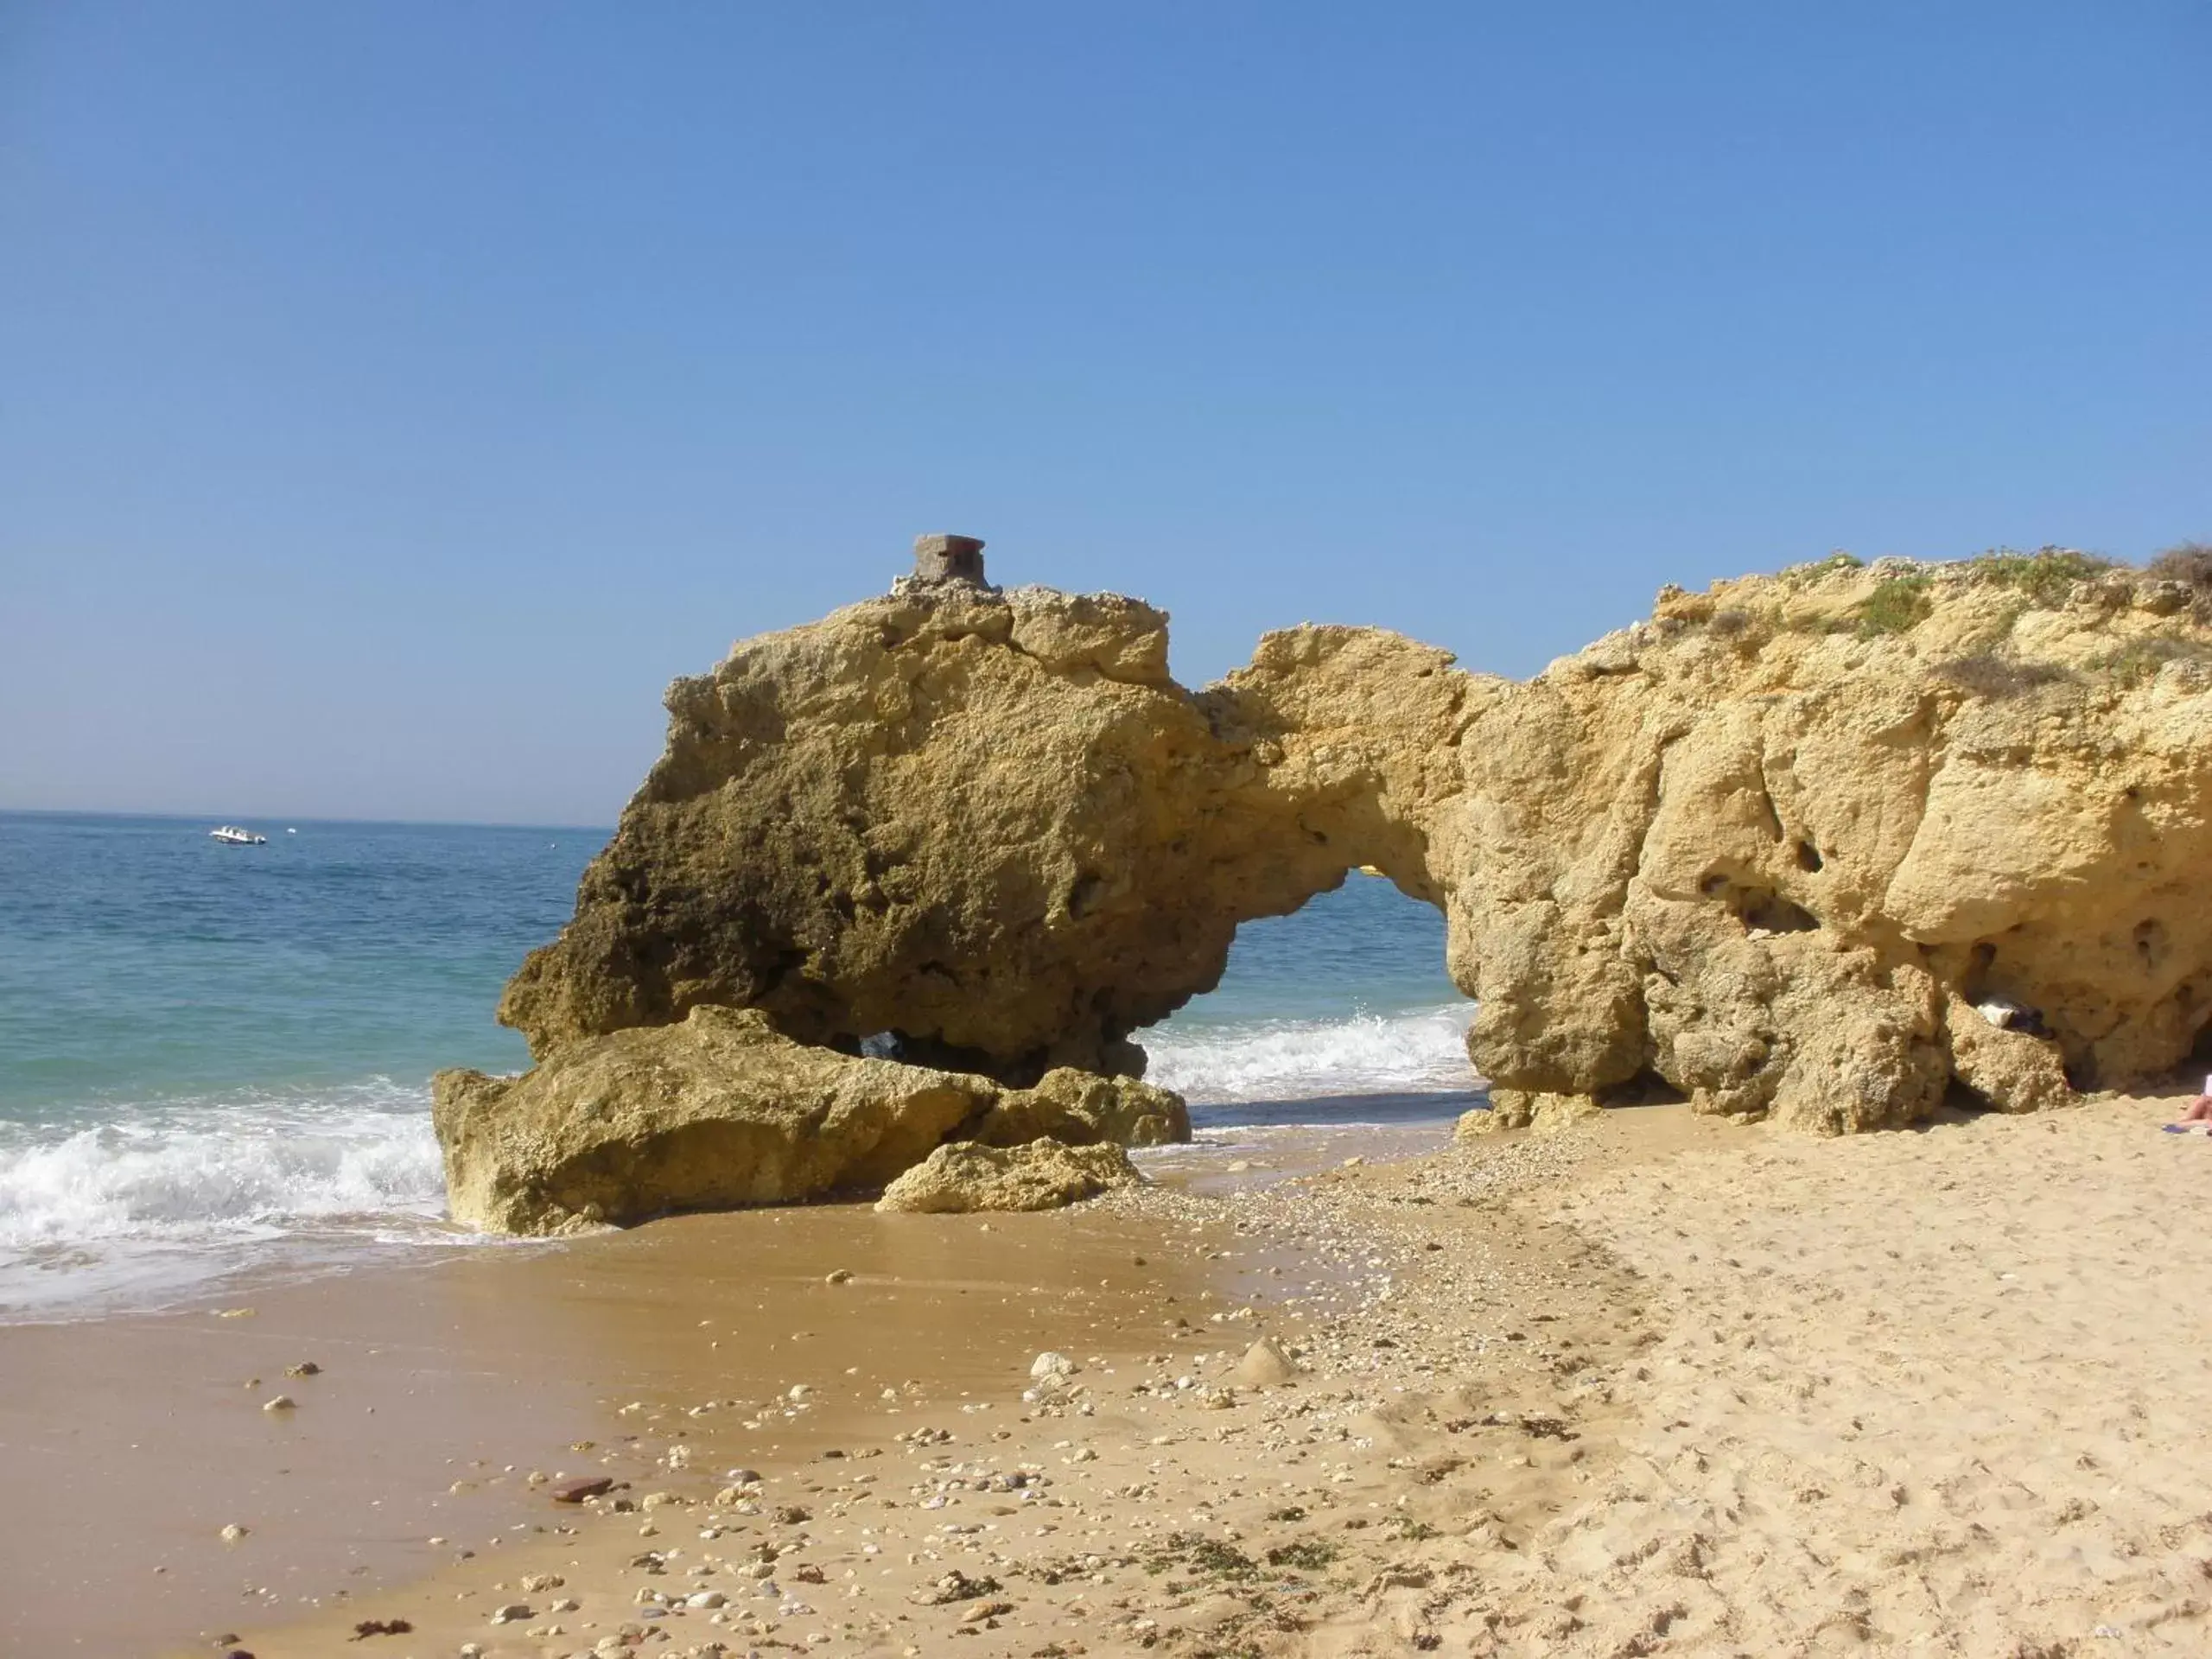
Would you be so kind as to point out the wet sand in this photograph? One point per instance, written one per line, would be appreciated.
(134, 1441)
(1655, 1385)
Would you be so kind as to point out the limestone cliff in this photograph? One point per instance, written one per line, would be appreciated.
(1773, 847)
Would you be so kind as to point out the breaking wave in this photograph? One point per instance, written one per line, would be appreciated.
(1422, 1050)
(171, 1193)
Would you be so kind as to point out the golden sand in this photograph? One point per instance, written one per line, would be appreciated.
(1654, 1384)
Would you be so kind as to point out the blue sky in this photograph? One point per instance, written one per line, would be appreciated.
(394, 397)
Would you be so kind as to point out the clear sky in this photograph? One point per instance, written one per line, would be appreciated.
(394, 397)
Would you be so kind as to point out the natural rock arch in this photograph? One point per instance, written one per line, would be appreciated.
(1772, 847)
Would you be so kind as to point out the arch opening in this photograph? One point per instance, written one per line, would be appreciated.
(1339, 1011)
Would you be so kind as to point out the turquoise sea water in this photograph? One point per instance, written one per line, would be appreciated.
(213, 1057)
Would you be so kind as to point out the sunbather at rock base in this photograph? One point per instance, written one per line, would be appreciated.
(2200, 1109)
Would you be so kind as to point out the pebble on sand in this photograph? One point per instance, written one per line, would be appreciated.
(280, 1403)
(233, 1532)
(1263, 1366)
(840, 1276)
(1051, 1364)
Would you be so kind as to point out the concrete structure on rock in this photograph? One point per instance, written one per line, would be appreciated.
(939, 557)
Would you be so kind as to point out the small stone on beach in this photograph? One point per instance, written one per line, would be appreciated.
(1263, 1366)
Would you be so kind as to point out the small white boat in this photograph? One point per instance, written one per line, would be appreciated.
(230, 836)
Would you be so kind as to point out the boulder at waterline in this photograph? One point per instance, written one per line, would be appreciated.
(1040, 1175)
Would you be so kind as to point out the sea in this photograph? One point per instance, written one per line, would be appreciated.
(215, 1060)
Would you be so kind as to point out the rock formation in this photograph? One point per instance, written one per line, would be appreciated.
(719, 1110)
(964, 1176)
(1774, 848)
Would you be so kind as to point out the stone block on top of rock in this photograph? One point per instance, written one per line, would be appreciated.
(939, 556)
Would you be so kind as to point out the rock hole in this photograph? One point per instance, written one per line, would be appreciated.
(2150, 941)
(1773, 913)
(788, 962)
(1808, 857)
(2200, 1051)
(1083, 896)
(1974, 982)
(1959, 1095)
(1646, 1088)
(1760, 909)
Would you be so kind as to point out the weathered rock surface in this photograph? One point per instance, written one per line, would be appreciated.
(720, 1111)
(1080, 1107)
(1519, 1108)
(1759, 849)
(967, 1176)
(716, 1112)
(1264, 1365)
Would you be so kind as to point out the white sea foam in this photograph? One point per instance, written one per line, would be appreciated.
(1419, 1051)
(172, 1194)
(165, 1197)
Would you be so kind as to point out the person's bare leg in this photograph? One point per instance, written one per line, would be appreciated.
(2200, 1110)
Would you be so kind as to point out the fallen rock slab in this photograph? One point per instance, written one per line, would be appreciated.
(1082, 1107)
(1042, 1175)
(720, 1111)
(716, 1112)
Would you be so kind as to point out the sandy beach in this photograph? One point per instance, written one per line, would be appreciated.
(1654, 1384)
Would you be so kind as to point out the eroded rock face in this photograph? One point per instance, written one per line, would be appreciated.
(716, 1112)
(1761, 849)
(974, 819)
(719, 1111)
(965, 1177)
(1080, 1107)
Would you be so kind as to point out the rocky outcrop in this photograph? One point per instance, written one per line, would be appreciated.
(1081, 1107)
(714, 1112)
(1519, 1108)
(1768, 848)
(720, 1111)
(987, 822)
(965, 1177)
